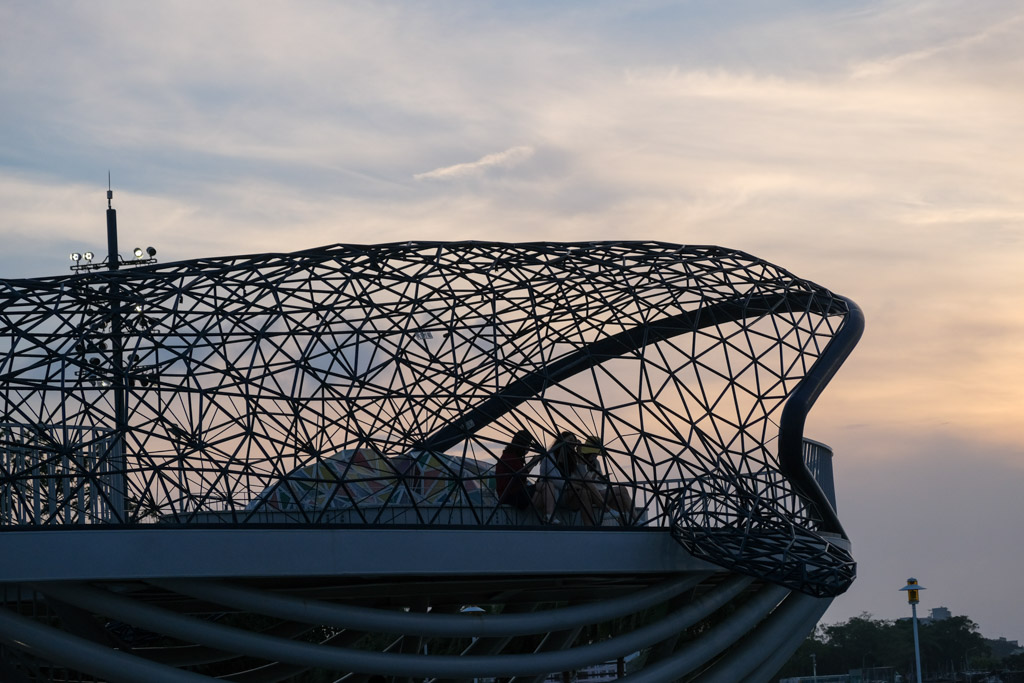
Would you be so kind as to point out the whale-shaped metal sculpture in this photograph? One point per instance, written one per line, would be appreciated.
(207, 392)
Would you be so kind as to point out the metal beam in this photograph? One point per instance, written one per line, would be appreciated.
(267, 647)
(470, 625)
(762, 653)
(152, 552)
(713, 641)
(65, 649)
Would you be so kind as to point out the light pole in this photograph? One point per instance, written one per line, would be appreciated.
(117, 342)
(117, 379)
(913, 597)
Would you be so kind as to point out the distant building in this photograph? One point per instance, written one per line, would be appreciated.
(937, 614)
(1001, 647)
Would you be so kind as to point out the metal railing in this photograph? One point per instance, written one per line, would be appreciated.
(43, 484)
(818, 458)
(64, 476)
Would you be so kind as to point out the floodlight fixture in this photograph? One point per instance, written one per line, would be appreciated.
(151, 251)
(138, 252)
(89, 256)
(76, 257)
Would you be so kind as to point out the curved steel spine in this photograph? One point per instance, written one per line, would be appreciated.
(794, 415)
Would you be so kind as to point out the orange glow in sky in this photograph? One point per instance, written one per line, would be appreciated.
(873, 147)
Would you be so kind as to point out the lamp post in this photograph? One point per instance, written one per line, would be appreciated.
(117, 379)
(117, 342)
(913, 590)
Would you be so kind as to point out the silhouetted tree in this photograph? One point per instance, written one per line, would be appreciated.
(950, 640)
(1014, 662)
(865, 642)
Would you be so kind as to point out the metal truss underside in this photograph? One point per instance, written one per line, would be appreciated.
(691, 627)
(212, 390)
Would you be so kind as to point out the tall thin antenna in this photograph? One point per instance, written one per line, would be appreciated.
(113, 260)
(116, 453)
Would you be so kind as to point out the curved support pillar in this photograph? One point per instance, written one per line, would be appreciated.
(757, 657)
(63, 648)
(472, 625)
(720, 637)
(268, 647)
(762, 626)
(196, 655)
(800, 628)
(275, 672)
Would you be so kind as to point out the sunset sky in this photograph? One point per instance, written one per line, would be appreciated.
(876, 148)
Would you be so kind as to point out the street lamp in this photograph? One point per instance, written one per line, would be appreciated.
(913, 590)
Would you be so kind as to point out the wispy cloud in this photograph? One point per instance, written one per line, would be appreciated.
(874, 147)
(884, 66)
(511, 157)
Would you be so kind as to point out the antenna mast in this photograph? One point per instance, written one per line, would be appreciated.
(113, 260)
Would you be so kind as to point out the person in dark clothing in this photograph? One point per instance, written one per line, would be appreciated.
(563, 482)
(511, 482)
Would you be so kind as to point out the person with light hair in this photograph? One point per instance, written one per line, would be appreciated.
(564, 484)
(609, 496)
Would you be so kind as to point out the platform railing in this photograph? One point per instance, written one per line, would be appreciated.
(818, 458)
(41, 484)
(63, 476)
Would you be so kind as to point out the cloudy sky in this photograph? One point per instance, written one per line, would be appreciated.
(875, 147)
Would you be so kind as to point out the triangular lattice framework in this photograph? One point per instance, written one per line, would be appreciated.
(166, 392)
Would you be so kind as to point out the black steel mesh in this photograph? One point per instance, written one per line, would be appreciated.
(201, 390)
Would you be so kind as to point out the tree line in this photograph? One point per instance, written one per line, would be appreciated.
(947, 646)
